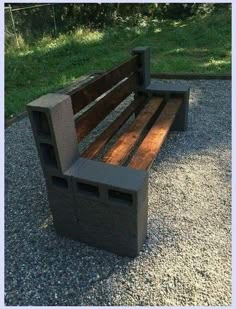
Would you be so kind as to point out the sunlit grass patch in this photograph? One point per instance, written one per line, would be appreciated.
(200, 44)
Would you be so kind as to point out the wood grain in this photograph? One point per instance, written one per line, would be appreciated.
(88, 93)
(93, 150)
(151, 145)
(90, 119)
(125, 143)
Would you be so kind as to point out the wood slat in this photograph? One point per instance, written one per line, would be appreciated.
(93, 150)
(85, 95)
(125, 143)
(151, 145)
(80, 82)
(90, 119)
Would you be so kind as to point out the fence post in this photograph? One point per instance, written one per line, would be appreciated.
(54, 20)
(14, 27)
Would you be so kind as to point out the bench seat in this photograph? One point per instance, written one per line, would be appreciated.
(153, 138)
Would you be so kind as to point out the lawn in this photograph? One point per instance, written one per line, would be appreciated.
(200, 44)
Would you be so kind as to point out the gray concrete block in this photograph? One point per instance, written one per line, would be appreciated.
(181, 120)
(61, 202)
(101, 205)
(66, 229)
(168, 90)
(53, 127)
(99, 172)
(107, 239)
(111, 205)
(144, 61)
(64, 216)
(157, 87)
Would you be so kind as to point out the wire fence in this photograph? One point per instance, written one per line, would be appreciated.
(13, 17)
(26, 23)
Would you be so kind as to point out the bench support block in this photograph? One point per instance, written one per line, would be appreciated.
(144, 64)
(52, 122)
(156, 88)
(102, 205)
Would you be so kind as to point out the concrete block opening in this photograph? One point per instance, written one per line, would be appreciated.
(59, 182)
(122, 197)
(48, 154)
(41, 122)
(88, 189)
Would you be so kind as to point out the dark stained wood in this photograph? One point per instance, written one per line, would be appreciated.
(93, 150)
(90, 119)
(125, 143)
(150, 146)
(80, 82)
(85, 95)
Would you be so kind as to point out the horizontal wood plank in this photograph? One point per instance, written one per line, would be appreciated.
(151, 145)
(85, 95)
(93, 150)
(90, 119)
(79, 83)
(125, 143)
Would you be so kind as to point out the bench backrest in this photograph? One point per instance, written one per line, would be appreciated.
(107, 91)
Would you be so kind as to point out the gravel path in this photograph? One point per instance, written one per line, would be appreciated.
(186, 259)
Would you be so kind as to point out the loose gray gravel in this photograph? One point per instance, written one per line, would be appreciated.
(186, 259)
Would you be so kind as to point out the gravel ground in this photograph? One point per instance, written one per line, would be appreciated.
(186, 259)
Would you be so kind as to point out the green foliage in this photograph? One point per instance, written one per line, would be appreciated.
(36, 22)
(198, 44)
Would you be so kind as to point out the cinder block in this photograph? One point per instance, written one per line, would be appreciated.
(53, 127)
(181, 120)
(144, 61)
(161, 88)
(166, 89)
(111, 205)
(61, 202)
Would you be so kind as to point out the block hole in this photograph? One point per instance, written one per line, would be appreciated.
(87, 189)
(177, 95)
(59, 182)
(119, 196)
(140, 79)
(41, 123)
(48, 154)
(139, 61)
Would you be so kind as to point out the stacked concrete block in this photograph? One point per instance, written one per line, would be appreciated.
(169, 90)
(143, 54)
(99, 204)
(144, 66)
(52, 123)
(111, 205)
(62, 205)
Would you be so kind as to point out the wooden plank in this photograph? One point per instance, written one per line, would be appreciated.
(90, 119)
(127, 141)
(93, 150)
(80, 82)
(151, 145)
(85, 95)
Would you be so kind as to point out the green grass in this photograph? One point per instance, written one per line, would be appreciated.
(201, 44)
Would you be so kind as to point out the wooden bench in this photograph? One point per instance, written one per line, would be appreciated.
(100, 196)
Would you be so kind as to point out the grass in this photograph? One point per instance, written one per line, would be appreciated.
(200, 44)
